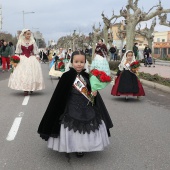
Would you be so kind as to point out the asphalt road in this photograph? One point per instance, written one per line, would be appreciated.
(140, 138)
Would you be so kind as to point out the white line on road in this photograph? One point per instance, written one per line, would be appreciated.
(14, 129)
(25, 101)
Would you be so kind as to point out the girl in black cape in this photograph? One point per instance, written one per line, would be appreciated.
(71, 123)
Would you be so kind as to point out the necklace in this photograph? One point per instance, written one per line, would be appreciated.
(27, 42)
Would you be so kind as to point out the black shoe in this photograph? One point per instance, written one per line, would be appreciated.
(79, 154)
(126, 98)
(31, 92)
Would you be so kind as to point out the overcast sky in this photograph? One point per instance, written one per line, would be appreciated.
(56, 18)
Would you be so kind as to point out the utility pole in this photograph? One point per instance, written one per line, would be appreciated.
(23, 12)
(0, 17)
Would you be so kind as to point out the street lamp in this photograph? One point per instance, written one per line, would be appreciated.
(23, 16)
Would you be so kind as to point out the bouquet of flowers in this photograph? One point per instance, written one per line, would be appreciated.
(99, 79)
(14, 61)
(100, 73)
(134, 67)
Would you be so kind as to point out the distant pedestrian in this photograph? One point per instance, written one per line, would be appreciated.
(147, 55)
(135, 50)
(116, 54)
(43, 56)
(12, 48)
(1, 44)
(147, 51)
(123, 51)
(112, 51)
(5, 53)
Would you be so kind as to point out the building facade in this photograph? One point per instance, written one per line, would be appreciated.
(120, 42)
(161, 44)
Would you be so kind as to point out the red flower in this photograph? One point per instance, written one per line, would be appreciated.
(135, 64)
(101, 75)
(95, 72)
(104, 78)
(15, 59)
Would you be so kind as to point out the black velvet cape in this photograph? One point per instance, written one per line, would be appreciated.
(50, 123)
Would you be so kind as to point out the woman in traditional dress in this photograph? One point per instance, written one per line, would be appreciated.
(58, 67)
(100, 58)
(27, 75)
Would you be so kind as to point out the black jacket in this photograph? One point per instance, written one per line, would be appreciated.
(50, 123)
(112, 49)
(147, 51)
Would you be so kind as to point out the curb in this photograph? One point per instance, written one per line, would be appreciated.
(152, 84)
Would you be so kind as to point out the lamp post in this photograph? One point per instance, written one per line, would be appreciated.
(24, 16)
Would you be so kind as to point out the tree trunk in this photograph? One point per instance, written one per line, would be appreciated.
(121, 47)
(150, 43)
(105, 33)
(130, 35)
(73, 44)
(93, 48)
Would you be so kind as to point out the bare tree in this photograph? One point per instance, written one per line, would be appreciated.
(134, 15)
(8, 37)
(147, 32)
(163, 20)
(96, 33)
(74, 37)
(121, 34)
(107, 25)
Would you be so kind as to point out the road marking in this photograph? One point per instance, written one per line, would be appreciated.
(25, 101)
(15, 126)
(161, 95)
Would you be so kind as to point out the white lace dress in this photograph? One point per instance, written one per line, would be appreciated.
(27, 76)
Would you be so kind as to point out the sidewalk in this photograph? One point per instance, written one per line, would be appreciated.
(163, 71)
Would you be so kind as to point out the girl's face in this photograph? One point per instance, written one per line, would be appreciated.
(100, 42)
(27, 35)
(129, 56)
(78, 62)
(5, 43)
